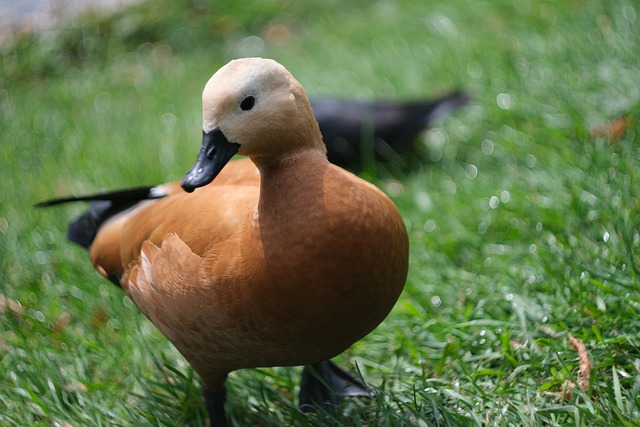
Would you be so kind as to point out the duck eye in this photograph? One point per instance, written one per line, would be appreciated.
(247, 103)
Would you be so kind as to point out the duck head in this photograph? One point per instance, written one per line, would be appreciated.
(252, 107)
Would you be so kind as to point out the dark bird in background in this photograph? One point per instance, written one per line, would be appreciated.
(380, 130)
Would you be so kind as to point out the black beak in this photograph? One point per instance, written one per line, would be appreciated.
(215, 153)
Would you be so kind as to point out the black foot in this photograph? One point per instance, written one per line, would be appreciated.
(324, 383)
(214, 402)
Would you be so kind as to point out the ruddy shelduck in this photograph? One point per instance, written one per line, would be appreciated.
(284, 259)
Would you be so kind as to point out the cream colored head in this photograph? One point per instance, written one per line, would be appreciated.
(259, 105)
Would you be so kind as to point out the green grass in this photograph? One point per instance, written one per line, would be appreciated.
(524, 226)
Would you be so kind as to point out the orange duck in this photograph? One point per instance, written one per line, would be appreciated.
(280, 259)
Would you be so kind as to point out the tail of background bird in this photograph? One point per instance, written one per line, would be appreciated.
(417, 116)
(444, 106)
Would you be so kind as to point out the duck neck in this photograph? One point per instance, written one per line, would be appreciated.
(290, 183)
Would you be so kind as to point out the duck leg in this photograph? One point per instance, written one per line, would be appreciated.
(323, 383)
(214, 402)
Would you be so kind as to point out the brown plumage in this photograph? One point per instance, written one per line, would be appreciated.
(284, 259)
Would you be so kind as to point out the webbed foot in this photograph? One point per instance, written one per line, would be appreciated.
(324, 383)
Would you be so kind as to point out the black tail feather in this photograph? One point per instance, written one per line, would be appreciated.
(103, 206)
(125, 196)
(83, 229)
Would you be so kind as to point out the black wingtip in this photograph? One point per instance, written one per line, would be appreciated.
(119, 196)
(53, 202)
(103, 206)
(83, 229)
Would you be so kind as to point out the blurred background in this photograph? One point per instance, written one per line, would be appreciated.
(522, 207)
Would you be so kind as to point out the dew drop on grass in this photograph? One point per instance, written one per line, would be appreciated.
(46, 279)
(531, 160)
(435, 141)
(471, 171)
(474, 69)
(445, 26)
(449, 186)
(494, 202)
(605, 236)
(487, 147)
(38, 315)
(594, 36)
(41, 257)
(423, 201)
(40, 122)
(430, 226)
(588, 198)
(252, 46)
(436, 301)
(76, 292)
(36, 238)
(102, 102)
(103, 290)
(169, 121)
(394, 188)
(629, 13)
(408, 224)
(505, 101)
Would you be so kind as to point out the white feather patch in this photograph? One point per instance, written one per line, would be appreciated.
(146, 266)
(156, 192)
